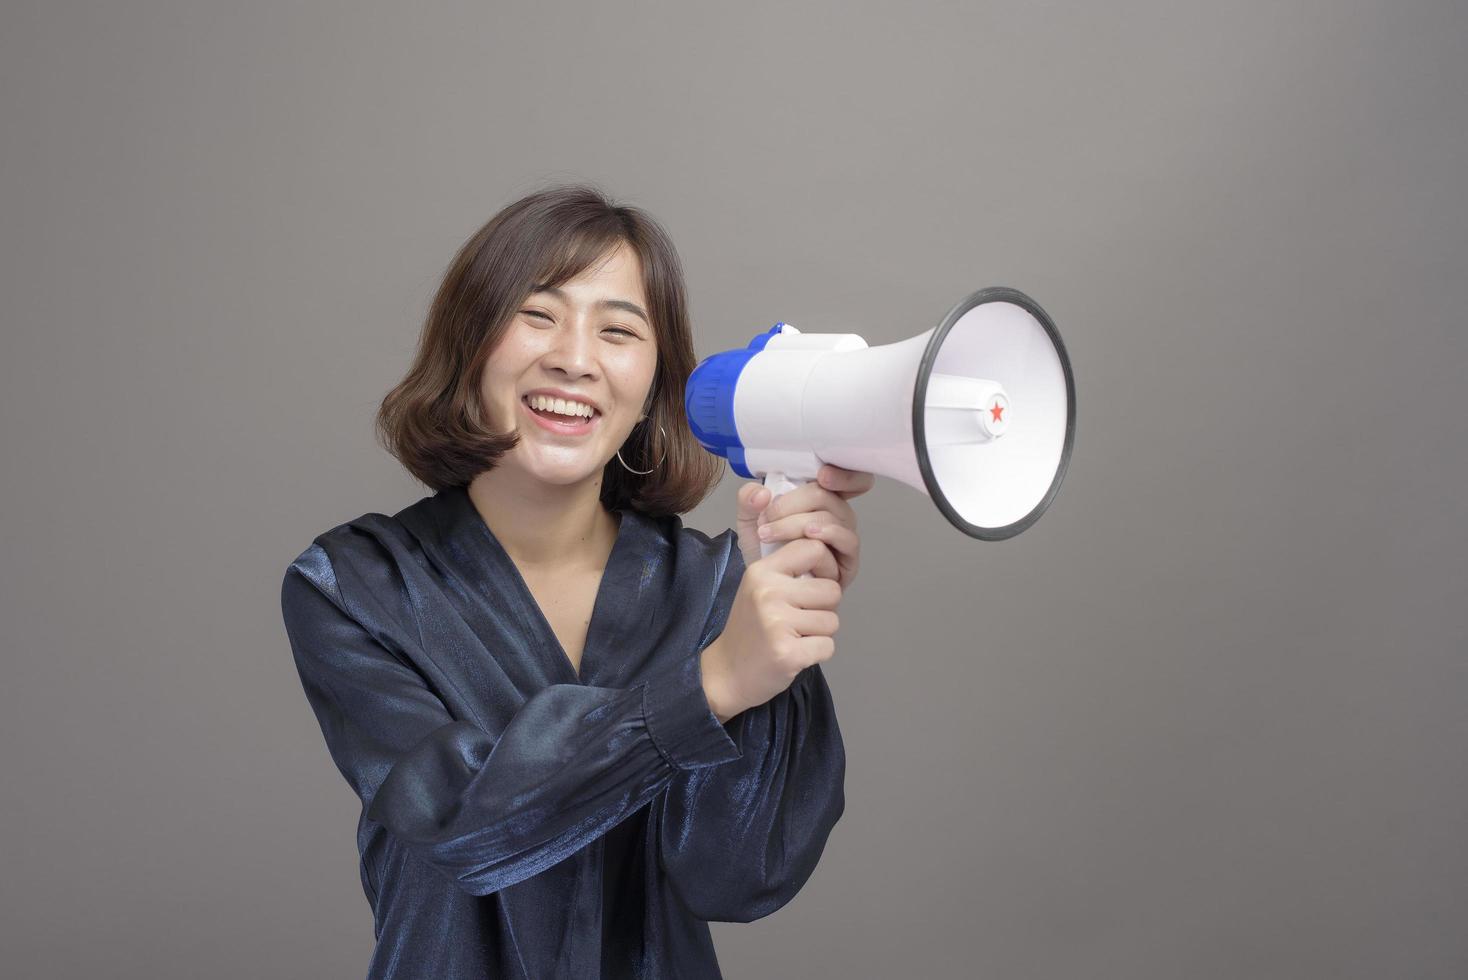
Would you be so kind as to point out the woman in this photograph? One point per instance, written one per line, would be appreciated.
(579, 730)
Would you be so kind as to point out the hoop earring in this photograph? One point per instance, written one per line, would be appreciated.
(659, 462)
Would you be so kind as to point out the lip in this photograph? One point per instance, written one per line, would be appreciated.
(561, 428)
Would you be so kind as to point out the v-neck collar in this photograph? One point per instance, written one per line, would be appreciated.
(464, 524)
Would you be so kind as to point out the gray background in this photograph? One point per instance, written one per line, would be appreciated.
(1205, 719)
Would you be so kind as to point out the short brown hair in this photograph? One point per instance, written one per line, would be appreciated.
(433, 422)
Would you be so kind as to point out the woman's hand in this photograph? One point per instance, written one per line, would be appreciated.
(779, 624)
(822, 503)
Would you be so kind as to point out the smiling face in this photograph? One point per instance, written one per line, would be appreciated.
(589, 338)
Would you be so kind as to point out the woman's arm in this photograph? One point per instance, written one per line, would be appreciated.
(488, 811)
(740, 839)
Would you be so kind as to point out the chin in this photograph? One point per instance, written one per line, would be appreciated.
(568, 481)
(563, 475)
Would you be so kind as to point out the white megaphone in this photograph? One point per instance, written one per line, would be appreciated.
(978, 413)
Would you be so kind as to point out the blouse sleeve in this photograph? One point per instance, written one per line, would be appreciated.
(739, 840)
(488, 811)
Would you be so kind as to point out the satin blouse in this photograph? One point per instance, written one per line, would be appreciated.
(520, 820)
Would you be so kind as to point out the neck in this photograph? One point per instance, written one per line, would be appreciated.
(541, 526)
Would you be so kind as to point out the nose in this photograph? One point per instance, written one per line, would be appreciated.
(572, 350)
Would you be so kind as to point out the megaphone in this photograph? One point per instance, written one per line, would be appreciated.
(978, 412)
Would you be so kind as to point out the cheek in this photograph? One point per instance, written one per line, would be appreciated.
(638, 369)
(520, 348)
(494, 386)
(514, 354)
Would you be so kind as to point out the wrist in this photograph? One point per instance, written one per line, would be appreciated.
(711, 667)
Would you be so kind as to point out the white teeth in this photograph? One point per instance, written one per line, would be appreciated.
(560, 406)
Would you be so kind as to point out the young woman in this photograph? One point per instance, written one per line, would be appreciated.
(579, 730)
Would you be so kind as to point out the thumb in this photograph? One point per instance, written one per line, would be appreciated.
(753, 499)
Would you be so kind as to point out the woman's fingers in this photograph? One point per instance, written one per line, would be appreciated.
(814, 622)
(847, 483)
(844, 544)
(808, 498)
(843, 541)
(814, 593)
(795, 558)
(793, 526)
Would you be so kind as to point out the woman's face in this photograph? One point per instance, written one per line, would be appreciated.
(589, 338)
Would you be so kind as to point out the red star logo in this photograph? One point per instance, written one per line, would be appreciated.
(997, 410)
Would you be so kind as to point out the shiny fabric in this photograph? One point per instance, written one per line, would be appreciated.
(519, 820)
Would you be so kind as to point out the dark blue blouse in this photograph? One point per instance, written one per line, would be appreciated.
(519, 820)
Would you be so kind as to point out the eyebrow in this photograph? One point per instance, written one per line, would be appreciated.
(606, 304)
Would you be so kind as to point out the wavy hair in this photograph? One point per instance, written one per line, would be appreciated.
(433, 420)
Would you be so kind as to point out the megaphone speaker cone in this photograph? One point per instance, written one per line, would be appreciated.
(994, 413)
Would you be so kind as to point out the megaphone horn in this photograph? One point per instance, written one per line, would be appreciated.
(978, 412)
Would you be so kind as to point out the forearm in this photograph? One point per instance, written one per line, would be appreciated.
(739, 840)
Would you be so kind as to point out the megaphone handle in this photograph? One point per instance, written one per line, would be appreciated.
(778, 485)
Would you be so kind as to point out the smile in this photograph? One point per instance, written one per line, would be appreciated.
(553, 423)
